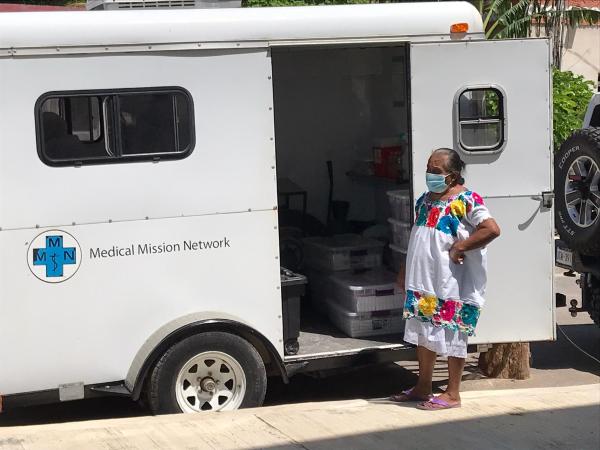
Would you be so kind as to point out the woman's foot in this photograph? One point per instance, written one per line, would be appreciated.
(410, 395)
(443, 401)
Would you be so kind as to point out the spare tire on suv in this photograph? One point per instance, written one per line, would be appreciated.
(577, 193)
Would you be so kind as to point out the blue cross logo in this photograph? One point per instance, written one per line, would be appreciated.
(54, 256)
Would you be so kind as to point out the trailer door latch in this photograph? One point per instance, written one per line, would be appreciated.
(547, 199)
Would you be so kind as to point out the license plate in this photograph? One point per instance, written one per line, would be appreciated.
(564, 257)
(379, 324)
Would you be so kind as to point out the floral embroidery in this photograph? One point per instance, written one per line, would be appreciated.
(427, 305)
(422, 215)
(458, 208)
(448, 313)
(448, 310)
(477, 198)
(432, 219)
(449, 225)
(445, 215)
(410, 301)
(469, 314)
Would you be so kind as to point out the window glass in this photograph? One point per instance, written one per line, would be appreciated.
(114, 127)
(481, 119)
(71, 129)
(84, 117)
(481, 135)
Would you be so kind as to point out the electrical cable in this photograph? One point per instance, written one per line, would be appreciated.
(575, 345)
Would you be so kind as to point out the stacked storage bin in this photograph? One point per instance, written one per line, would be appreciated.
(361, 297)
(400, 223)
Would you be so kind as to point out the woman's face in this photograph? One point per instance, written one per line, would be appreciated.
(437, 163)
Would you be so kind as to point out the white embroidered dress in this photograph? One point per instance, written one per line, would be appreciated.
(444, 299)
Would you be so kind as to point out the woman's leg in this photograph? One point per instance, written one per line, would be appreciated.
(455, 372)
(451, 397)
(426, 364)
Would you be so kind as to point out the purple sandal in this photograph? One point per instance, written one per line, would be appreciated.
(408, 396)
(436, 403)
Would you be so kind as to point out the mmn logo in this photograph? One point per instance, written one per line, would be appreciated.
(54, 256)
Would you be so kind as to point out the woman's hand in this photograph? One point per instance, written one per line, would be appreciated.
(486, 232)
(457, 253)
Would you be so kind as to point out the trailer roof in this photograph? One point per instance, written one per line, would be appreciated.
(137, 27)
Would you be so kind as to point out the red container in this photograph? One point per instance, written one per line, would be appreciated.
(385, 161)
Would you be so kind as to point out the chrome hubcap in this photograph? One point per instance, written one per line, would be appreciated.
(210, 381)
(582, 195)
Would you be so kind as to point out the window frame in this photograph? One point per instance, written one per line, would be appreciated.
(457, 123)
(115, 137)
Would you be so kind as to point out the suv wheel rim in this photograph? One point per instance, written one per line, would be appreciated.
(210, 381)
(582, 195)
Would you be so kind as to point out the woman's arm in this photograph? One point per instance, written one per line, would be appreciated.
(486, 232)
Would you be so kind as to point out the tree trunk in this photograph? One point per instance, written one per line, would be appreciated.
(506, 361)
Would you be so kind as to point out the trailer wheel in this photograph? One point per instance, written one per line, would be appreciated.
(577, 191)
(211, 371)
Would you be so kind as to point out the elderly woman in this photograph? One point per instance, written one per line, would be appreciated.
(445, 276)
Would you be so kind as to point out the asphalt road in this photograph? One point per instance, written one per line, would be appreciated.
(556, 363)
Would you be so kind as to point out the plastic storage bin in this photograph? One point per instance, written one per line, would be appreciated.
(373, 290)
(342, 252)
(400, 204)
(400, 233)
(365, 324)
(398, 257)
(292, 289)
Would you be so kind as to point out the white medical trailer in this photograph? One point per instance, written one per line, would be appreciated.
(139, 158)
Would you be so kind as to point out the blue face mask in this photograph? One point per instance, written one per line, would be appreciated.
(435, 182)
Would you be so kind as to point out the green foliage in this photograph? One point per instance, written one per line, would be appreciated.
(571, 95)
(516, 18)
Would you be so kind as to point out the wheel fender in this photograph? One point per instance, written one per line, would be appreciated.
(160, 342)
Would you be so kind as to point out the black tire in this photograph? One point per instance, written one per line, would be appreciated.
(579, 231)
(163, 378)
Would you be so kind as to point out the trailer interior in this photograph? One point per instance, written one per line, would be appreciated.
(342, 134)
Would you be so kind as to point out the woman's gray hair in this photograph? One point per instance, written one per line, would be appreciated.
(454, 163)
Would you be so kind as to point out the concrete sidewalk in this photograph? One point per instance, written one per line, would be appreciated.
(564, 417)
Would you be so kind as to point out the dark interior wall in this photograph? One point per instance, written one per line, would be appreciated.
(335, 104)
